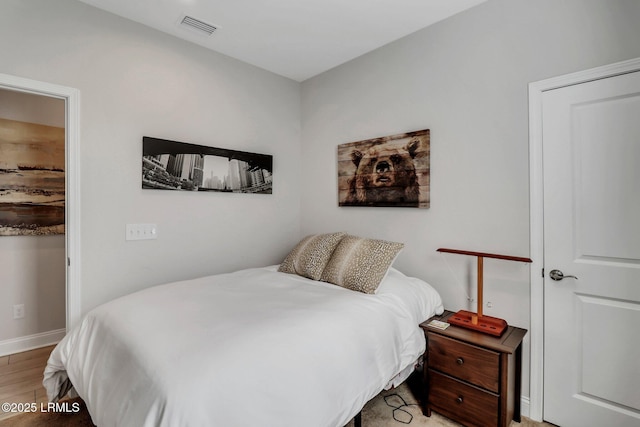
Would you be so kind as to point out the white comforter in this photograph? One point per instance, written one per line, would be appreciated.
(251, 348)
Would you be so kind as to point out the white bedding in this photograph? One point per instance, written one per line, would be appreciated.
(250, 348)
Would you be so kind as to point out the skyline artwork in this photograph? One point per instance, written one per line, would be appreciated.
(173, 165)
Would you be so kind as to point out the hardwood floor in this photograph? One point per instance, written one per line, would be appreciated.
(21, 378)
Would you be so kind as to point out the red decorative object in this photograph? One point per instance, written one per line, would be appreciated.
(478, 321)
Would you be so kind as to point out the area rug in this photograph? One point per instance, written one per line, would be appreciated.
(399, 406)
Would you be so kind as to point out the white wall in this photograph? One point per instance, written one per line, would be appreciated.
(135, 81)
(465, 79)
(32, 268)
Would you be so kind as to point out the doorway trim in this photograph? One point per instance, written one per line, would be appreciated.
(536, 214)
(72, 174)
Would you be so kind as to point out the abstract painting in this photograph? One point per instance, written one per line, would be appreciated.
(32, 179)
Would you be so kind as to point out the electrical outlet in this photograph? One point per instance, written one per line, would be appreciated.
(141, 232)
(18, 311)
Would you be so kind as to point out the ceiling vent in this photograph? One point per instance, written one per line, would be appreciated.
(196, 24)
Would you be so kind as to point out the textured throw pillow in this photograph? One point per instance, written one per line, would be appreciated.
(311, 255)
(360, 264)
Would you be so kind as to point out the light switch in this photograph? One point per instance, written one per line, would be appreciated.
(141, 231)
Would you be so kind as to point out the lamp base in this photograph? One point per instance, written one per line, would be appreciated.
(485, 324)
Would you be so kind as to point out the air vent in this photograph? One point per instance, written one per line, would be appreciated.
(198, 25)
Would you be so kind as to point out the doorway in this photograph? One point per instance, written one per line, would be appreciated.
(585, 302)
(70, 98)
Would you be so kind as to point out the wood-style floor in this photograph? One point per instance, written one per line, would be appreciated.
(21, 378)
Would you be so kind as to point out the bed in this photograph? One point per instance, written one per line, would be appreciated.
(256, 347)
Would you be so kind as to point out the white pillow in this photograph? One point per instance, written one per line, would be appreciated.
(419, 297)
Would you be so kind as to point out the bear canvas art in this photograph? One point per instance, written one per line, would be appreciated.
(387, 171)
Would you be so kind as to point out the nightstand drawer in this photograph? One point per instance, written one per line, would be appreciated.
(467, 362)
(461, 402)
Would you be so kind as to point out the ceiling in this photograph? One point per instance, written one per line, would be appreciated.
(297, 39)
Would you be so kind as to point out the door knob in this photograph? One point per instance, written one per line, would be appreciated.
(559, 275)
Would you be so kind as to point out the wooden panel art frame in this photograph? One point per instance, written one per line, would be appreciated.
(391, 171)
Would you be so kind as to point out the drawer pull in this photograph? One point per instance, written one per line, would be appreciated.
(459, 399)
(459, 360)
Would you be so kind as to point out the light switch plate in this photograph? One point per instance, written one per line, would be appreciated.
(141, 231)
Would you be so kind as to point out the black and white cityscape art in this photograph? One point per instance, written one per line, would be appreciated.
(172, 165)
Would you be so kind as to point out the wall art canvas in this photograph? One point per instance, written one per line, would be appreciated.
(389, 171)
(32, 179)
(172, 165)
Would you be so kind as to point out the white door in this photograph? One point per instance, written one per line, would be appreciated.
(591, 167)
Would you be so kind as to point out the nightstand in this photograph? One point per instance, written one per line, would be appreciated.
(471, 377)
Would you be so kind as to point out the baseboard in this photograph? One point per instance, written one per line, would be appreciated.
(43, 339)
(524, 406)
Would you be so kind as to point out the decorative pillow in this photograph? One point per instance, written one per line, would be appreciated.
(360, 264)
(311, 255)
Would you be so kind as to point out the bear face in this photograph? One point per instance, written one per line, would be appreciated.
(385, 175)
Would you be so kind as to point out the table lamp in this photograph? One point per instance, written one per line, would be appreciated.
(477, 321)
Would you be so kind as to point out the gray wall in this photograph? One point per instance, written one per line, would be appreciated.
(135, 81)
(465, 79)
